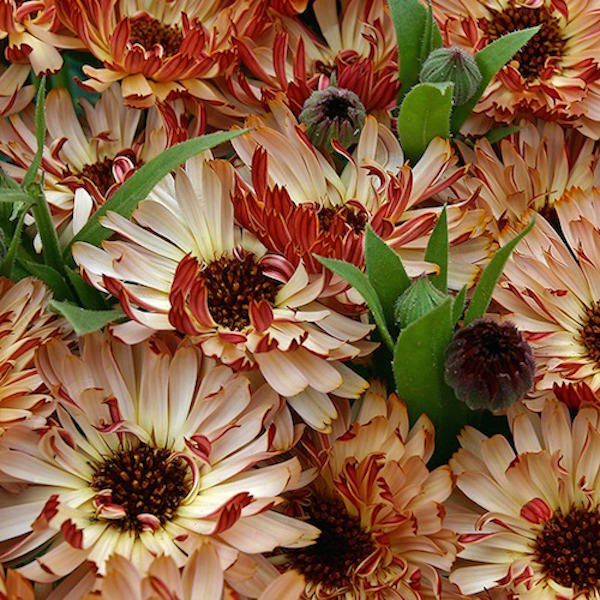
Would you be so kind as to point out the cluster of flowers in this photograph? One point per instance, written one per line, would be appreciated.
(193, 406)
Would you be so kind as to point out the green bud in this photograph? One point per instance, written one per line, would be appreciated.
(456, 65)
(333, 114)
(419, 299)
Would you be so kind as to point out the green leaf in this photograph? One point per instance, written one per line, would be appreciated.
(482, 295)
(45, 225)
(418, 367)
(12, 196)
(84, 320)
(424, 115)
(495, 135)
(89, 297)
(358, 280)
(140, 184)
(490, 60)
(8, 263)
(418, 364)
(432, 38)
(40, 135)
(459, 305)
(51, 277)
(410, 22)
(385, 272)
(437, 252)
(8, 183)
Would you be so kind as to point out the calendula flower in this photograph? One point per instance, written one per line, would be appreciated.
(164, 581)
(25, 324)
(34, 35)
(158, 51)
(182, 264)
(83, 164)
(296, 203)
(550, 286)
(153, 451)
(377, 505)
(535, 167)
(555, 76)
(529, 520)
(355, 49)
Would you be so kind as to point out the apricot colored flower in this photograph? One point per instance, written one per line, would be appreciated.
(153, 451)
(529, 520)
(556, 76)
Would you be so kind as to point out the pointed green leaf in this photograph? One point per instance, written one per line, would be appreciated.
(490, 60)
(40, 134)
(410, 21)
(8, 263)
(432, 38)
(358, 280)
(424, 115)
(140, 184)
(89, 297)
(437, 252)
(418, 365)
(385, 272)
(84, 320)
(495, 135)
(482, 295)
(51, 277)
(12, 196)
(459, 305)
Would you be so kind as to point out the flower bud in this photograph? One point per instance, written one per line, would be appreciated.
(333, 114)
(489, 365)
(456, 65)
(419, 299)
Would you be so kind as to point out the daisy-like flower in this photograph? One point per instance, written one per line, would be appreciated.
(164, 581)
(296, 203)
(182, 264)
(25, 324)
(154, 452)
(83, 164)
(158, 50)
(355, 50)
(377, 505)
(529, 520)
(34, 35)
(555, 76)
(536, 166)
(551, 287)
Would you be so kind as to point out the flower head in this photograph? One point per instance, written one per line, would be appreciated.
(489, 364)
(529, 520)
(182, 264)
(550, 288)
(158, 51)
(554, 76)
(296, 203)
(25, 324)
(377, 505)
(154, 450)
(83, 164)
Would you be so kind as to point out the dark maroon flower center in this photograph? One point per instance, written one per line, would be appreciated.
(144, 481)
(548, 42)
(150, 32)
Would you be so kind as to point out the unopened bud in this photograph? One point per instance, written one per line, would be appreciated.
(419, 299)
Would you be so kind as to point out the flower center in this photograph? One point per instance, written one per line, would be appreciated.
(328, 216)
(568, 548)
(340, 548)
(547, 42)
(231, 283)
(100, 174)
(590, 332)
(143, 481)
(150, 32)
